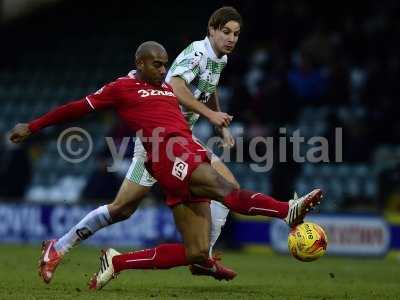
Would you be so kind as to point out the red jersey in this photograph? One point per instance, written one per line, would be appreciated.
(152, 109)
(143, 106)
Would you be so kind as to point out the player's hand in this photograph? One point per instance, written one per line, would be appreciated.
(227, 138)
(19, 133)
(220, 119)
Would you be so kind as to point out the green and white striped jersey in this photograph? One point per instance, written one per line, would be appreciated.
(200, 67)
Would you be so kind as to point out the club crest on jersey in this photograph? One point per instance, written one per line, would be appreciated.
(180, 168)
(196, 59)
(150, 92)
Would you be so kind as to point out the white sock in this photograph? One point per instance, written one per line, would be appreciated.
(93, 221)
(219, 212)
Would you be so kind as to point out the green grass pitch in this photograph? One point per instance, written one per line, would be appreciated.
(261, 276)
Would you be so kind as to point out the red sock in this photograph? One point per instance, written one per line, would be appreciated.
(251, 203)
(164, 256)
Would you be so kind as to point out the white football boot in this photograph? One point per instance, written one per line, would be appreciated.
(299, 207)
(106, 272)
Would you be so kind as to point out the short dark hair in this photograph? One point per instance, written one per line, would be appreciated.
(222, 16)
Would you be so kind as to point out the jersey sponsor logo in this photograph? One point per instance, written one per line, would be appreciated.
(180, 168)
(149, 92)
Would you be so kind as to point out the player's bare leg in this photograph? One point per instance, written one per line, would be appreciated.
(224, 171)
(196, 239)
(219, 212)
(193, 221)
(206, 182)
(126, 202)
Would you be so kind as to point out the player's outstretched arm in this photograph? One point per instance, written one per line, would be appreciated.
(187, 99)
(62, 114)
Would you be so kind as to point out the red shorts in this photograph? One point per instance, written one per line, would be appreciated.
(177, 158)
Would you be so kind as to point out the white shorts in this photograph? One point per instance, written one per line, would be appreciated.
(137, 172)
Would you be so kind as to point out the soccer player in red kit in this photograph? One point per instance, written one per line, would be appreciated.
(181, 166)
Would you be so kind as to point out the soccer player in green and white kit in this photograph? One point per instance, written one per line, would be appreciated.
(194, 76)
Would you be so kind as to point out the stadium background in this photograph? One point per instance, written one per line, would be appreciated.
(313, 67)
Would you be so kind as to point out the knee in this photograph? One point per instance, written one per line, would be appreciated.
(226, 187)
(197, 255)
(120, 212)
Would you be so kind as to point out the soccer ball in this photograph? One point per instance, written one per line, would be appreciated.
(307, 241)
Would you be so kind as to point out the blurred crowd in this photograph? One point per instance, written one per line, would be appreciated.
(342, 62)
(298, 65)
(347, 59)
